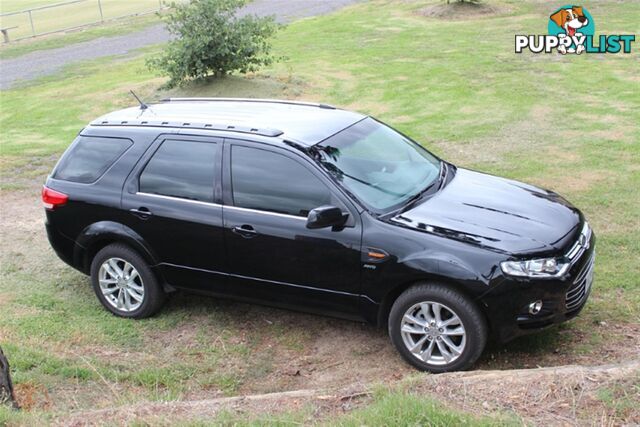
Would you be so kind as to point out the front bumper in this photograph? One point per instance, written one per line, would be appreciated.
(507, 305)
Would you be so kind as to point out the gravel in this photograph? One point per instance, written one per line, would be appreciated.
(44, 62)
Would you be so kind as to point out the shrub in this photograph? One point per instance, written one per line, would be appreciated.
(211, 40)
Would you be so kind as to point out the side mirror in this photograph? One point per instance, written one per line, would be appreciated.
(326, 216)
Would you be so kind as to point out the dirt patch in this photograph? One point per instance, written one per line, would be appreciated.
(403, 119)
(196, 409)
(518, 135)
(582, 342)
(369, 107)
(182, 336)
(339, 353)
(576, 183)
(461, 10)
(567, 395)
(5, 299)
(32, 396)
(27, 202)
(619, 134)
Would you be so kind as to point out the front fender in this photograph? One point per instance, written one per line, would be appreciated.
(100, 234)
(474, 276)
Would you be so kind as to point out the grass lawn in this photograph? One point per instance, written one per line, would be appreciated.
(565, 123)
(52, 41)
(66, 16)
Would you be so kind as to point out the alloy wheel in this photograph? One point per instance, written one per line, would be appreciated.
(121, 284)
(433, 333)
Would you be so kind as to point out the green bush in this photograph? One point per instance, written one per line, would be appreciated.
(211, 40)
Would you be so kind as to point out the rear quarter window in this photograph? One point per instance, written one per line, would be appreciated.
(89, 158)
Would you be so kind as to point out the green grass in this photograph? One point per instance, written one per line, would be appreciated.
(567, 123)
(407, 409)
(16, 5)
(66, 16)
(52, 41)
(622, 397)
(386, 408)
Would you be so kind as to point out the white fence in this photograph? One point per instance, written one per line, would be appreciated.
(70, 15)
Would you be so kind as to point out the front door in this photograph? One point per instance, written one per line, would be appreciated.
(170, 202)
(273, 256)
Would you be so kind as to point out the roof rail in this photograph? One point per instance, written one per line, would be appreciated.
(276, 101)
(190, 125)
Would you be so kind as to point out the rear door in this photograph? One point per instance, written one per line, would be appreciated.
(172, 200)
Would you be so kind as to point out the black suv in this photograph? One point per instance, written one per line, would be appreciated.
(314, 208)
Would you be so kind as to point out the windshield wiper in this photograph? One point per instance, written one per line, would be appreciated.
(376, 186)
(444, 171)
(411, 202)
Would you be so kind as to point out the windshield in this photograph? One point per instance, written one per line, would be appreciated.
(381, 167)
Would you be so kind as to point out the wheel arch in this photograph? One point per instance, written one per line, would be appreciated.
(392, 295)
(101, 234)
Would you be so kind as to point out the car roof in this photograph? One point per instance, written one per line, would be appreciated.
(300, 122)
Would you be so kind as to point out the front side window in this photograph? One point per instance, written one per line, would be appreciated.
(272, 182)
(378, 165)
(183, 169)
(89, 158)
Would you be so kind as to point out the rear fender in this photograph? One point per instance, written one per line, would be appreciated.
(99, 234)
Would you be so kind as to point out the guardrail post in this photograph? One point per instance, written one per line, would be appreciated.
(100, 8)
(33, 30)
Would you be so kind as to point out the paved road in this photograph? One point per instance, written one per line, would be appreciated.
(44, 62)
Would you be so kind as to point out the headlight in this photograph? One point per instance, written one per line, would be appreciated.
(543, 267)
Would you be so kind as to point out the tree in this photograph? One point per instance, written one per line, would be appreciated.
(6, 387)
(211, 40)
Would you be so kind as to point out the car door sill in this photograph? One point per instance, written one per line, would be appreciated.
(275, 282)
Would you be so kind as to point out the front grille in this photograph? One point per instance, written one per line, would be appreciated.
(579, 290)
(582, 244)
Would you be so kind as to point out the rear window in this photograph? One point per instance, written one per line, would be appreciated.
(89, 158)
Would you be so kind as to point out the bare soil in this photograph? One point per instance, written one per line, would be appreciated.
(567, 395)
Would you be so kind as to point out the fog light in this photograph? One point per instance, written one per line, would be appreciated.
(535, 307)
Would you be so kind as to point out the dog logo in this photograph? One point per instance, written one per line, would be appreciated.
(571, 29)
(571, 20)
(574, 23)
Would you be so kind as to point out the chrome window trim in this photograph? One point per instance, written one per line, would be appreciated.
(199, 202)
(162, 196)
(303, 218)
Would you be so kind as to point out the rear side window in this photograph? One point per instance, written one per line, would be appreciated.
(89, 158)
(183, 169)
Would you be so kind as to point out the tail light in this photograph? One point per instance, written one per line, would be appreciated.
(53, 199)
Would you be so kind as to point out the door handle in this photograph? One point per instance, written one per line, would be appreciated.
(245, 231)
(141, 212)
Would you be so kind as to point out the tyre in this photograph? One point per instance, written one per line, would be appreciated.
(437, 329)
(124, 283)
